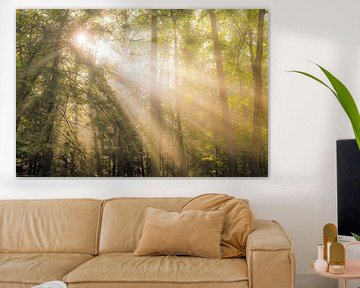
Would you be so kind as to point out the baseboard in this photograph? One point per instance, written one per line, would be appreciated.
(310, 280)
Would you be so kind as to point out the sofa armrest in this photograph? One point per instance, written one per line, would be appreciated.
(269, 256)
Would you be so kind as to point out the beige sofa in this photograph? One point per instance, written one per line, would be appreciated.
(89, 243)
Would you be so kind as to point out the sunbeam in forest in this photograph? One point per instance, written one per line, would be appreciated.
(142, 93)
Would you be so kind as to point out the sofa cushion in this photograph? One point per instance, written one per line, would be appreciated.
(239, 220)
(123, 220)
(237, 284)
(126, 268)
(15, 285)
(63, 226)
(36, 268)
(193, 232)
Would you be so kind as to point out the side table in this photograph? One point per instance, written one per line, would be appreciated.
(352, 268)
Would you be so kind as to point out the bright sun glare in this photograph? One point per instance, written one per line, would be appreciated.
(81, 39)
(100, 48)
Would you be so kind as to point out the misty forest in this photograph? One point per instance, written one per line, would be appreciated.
(142, 93)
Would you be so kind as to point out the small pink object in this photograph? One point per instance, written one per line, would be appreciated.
(320, 264)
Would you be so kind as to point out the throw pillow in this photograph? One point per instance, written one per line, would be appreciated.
(238, 224)
(196, 233)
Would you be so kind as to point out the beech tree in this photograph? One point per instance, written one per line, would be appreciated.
(256, 63)
(229, 133)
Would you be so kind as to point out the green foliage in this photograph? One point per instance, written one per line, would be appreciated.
(356, 236)
(83, 85)
(344, 97)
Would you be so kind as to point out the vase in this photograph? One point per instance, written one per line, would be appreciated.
(320, 264)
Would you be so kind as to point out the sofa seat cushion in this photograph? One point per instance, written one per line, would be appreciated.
(125, 267)
(36, 268)
(15, 285)
(242, 284)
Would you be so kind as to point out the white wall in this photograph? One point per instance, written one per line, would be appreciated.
(305, 120)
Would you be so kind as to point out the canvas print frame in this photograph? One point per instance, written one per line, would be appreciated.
(142, 92)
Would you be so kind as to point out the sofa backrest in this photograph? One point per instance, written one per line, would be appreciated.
(67, 226)
(123, 220)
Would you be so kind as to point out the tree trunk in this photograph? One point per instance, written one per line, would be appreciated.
(226, 117)
(180, 137)
(256, 61)
(46, 162)
(155, 108)
(97, 154)
(214, 128)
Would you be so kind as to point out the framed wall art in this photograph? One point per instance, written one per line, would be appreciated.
(142, 93)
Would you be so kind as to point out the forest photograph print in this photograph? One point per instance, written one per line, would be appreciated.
(142, 92)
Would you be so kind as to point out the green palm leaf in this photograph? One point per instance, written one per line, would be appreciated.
(357, 237)
(344, 97)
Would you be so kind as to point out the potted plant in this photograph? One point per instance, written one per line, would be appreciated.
(345, 99)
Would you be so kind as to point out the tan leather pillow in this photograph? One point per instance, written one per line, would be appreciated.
(196, 233)
(238, 224)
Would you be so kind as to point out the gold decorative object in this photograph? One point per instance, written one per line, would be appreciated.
(330, 236)
(336, 269)
(337, 254)
(337, 258)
